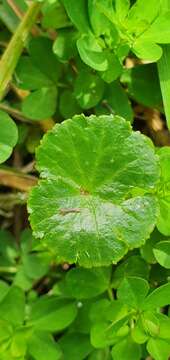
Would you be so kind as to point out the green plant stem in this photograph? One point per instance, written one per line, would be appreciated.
(110, 293)
(164, 77)
(16, 114)
(8, 269)
(16, 179)
(14, 49)
(164, 72)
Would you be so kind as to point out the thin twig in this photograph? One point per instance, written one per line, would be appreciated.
(16, 179)
(15, 8)
(16, 114)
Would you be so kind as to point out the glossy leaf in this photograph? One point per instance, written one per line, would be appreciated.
(159, 31)
(115, 101)
(128, 347)
(8, 136)
(147, 50)
(158, 298)
(143, 85)
(159, 349)
(114, 69)
(42, 56)
(91, 52)
(65, 45)
(51, 314)
(122, 8)
(132, 291)
(109, 319)
(100, 354)
(68, 108)
(88, 89)
(29, 77)
(86, 219)
(162, 253)
(147, 251)
(12, 306)
(145, 11)
(78, 14)
(41, 344)
(133, 266)
(40, 104)
(75, 346)
(98, 20)
(78, 278)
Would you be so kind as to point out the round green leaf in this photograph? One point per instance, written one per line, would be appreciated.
(42, 343)
(75, 346)
(8, 136)
(162, 253)
(143, 85)
(127, 348)
(42, 56)
(78, 14)
(65, 45)
(133, 291)
(89, 89)
(29, 76)
(159, 349)
(158, 298)
(91, 52)
(114, 67)
(78, 278)
(91, 206)
(98, 20)
(40, 104)
(115, 102)
(147, 50)
(134, 265)
(68, 105)
(50, 314)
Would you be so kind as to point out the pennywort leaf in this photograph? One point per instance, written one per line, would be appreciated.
(92, 205)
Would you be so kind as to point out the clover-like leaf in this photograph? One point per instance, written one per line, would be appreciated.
(91, 52)
(8, 136)
(96, 200)
(162, 253)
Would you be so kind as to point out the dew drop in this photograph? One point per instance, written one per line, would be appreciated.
(79, 304)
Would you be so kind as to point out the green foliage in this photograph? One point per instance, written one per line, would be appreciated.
(89, 196)
(92, 280)
(8, 136)
(164, 199)
(162, 253)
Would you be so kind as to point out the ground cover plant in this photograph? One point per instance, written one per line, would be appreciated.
(85, 180)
